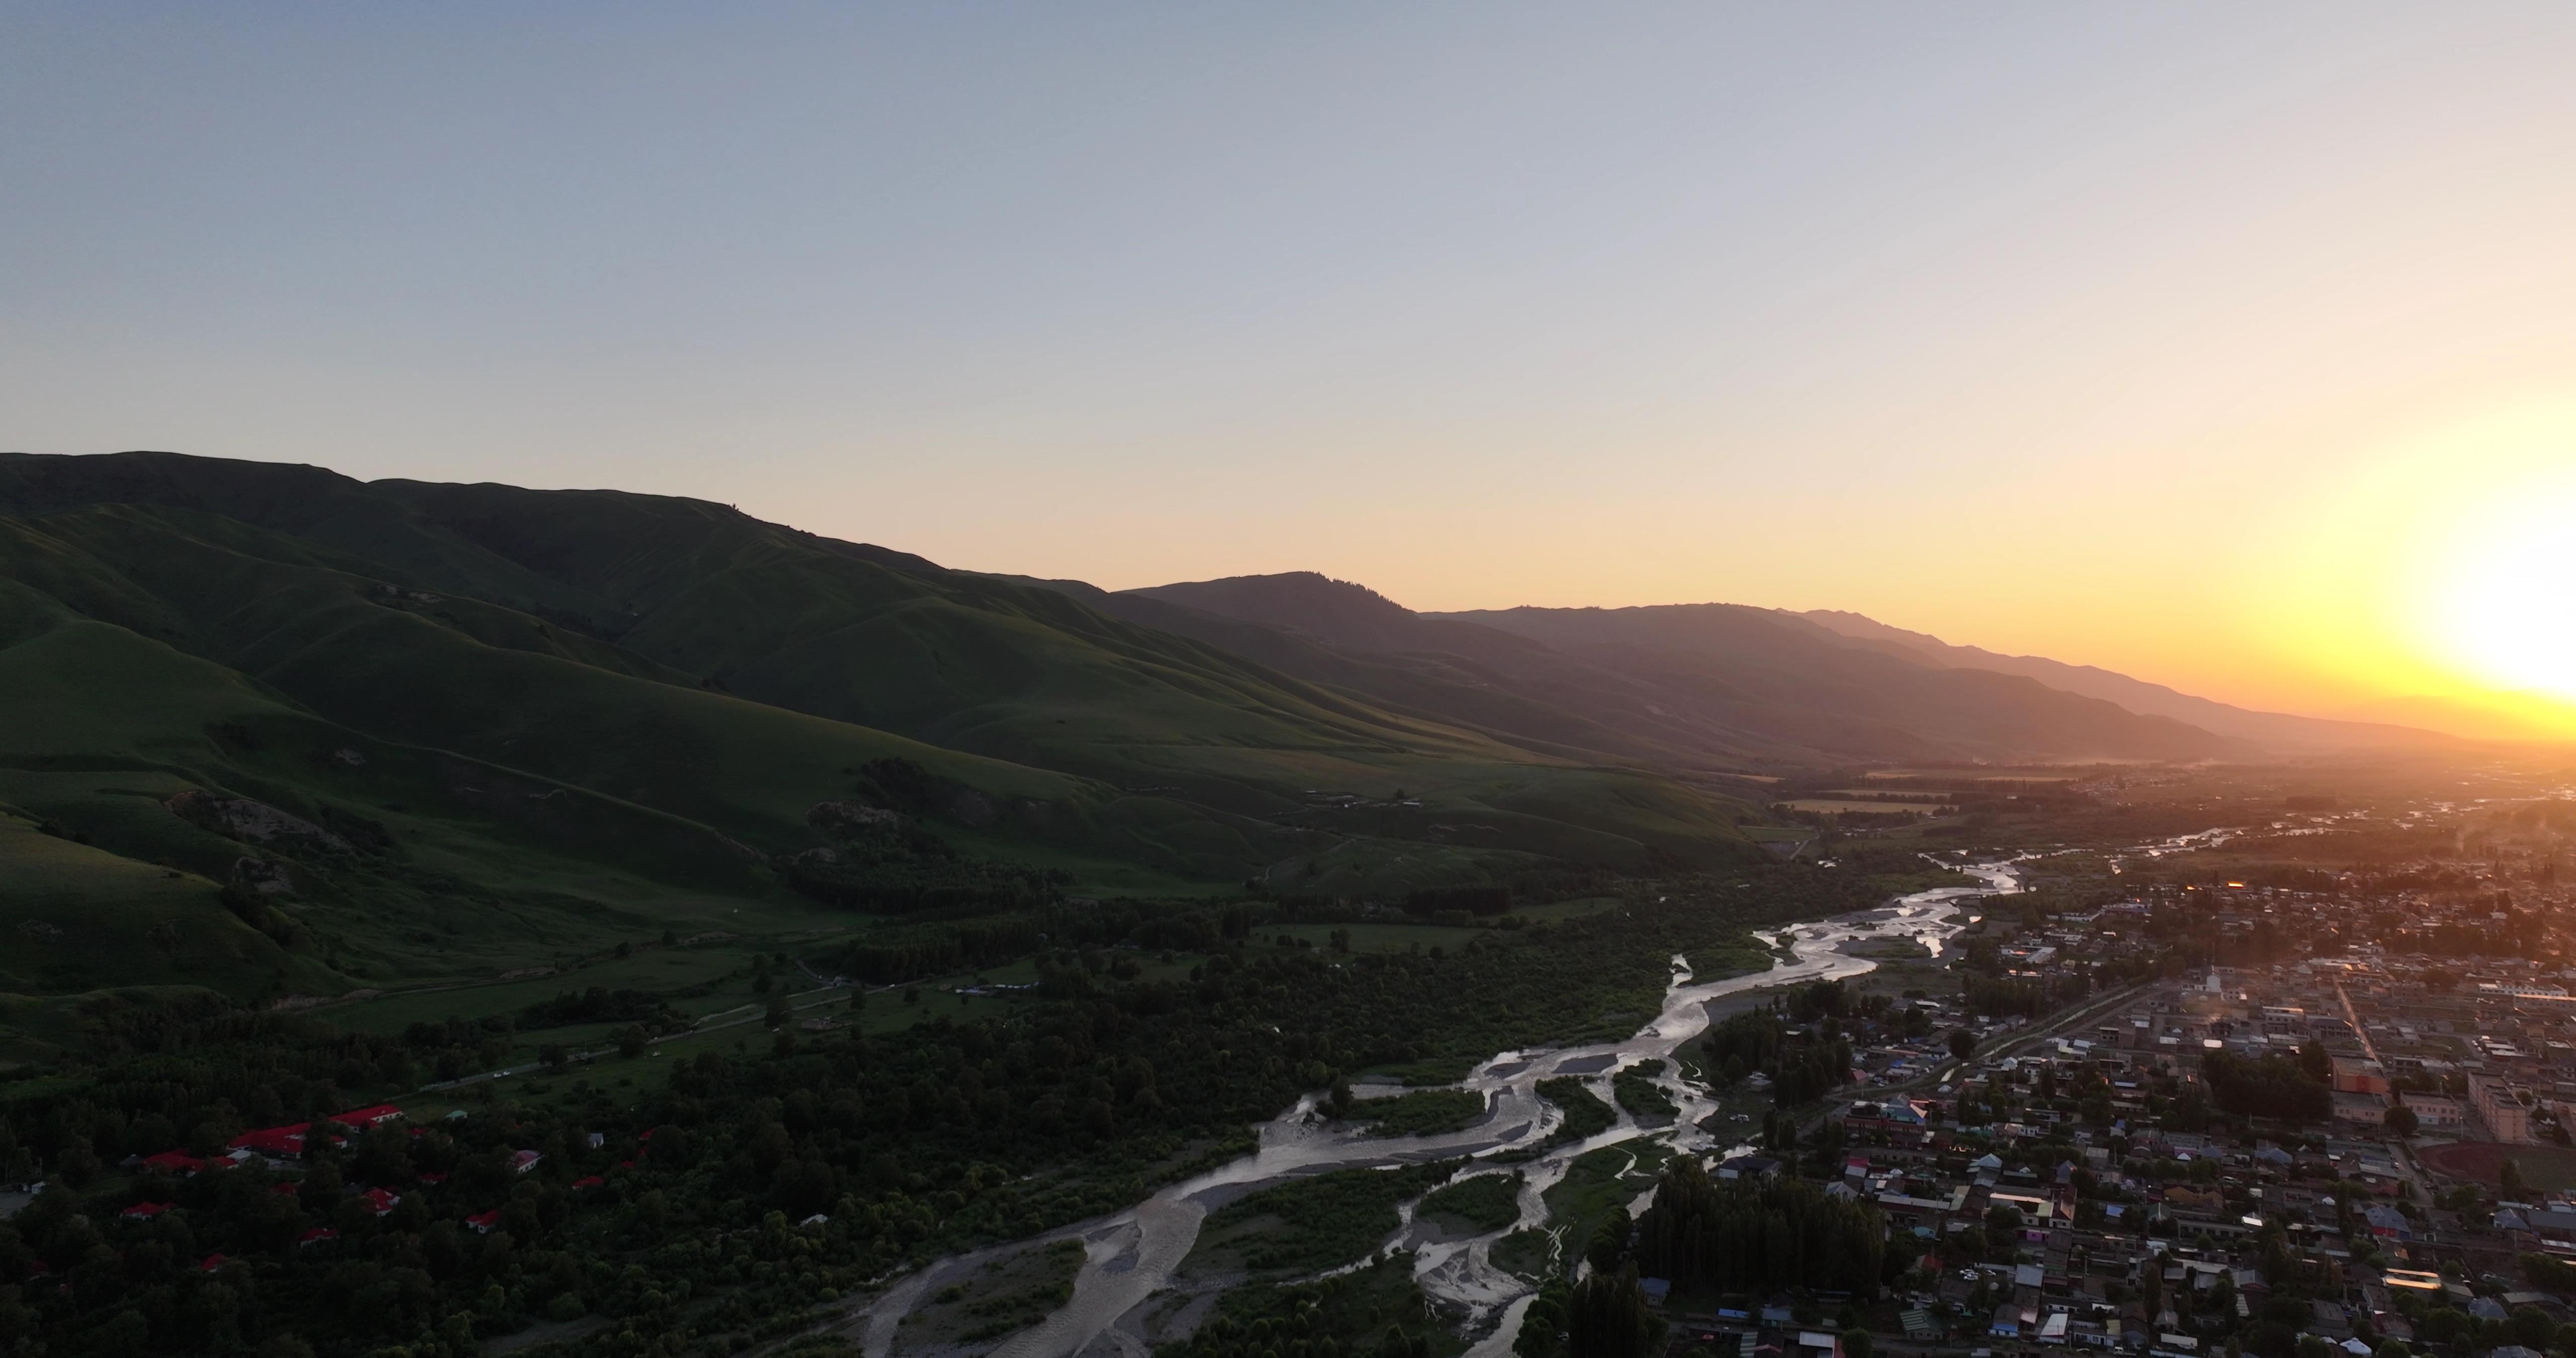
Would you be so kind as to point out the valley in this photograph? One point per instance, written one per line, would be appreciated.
(462, 919)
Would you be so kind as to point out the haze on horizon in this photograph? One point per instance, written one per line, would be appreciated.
(2232, 349)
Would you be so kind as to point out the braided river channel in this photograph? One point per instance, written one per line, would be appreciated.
(1130, 1257)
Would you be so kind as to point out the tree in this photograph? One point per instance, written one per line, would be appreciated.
(2399, 1119)
(2549, 1273)
(1606, 1317)
(779, 1011)
(1963, 1044)
(1610, 1240)
(631, 1041)
(2509, 1184)
(2445, 1325)
(1858, 1344)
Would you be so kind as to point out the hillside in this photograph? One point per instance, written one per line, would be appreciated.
(563, 716)
(1712, 684)
(2273, 730)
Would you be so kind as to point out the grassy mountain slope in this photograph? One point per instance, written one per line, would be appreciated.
(512, 723)
(350, 847)
(1445, 688)
(2276, 730)
(1716, 682)
(1525, 686)
(1758, 667)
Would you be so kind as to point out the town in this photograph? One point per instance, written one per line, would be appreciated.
(2347, 1136)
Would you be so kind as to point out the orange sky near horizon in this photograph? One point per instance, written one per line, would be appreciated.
(2230, 347)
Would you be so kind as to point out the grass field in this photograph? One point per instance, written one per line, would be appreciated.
(1483, 1202)
(1526, 1253)
(76, 918)
(1597, 1181)
(1422, 1112)
(1380, 937)
(2548, 1168)
(1005, 1295)
(1585, 1114)
(1563, 910)
(1308, 1224)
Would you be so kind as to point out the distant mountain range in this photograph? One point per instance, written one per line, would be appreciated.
(2274, 731)
(1723, 682)
(351, 710)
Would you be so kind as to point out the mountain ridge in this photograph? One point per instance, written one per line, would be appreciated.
(2279, 729)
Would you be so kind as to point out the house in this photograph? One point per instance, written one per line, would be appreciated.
(1657, 1290)
(588, 1181)
(211, 1263)
(316, 1236)
(146, 1211)
(379, 1201)
(1749, 1167)
(2434, 1110)
(281, 1143)
(524, 1161)
(2035, 1211)
(376, 1116)
(1815, 1344)
(174, 1162)
(482, 1223)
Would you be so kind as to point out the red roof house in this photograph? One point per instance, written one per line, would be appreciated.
(317, 1235)
(210, 1263)
(375, 1116)
(588, 1181)
(174, 1162)
(145, 1211)
(484, 1222)
(380, 1200)
(278, 1141)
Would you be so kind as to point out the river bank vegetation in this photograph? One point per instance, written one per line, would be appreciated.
(728, 1189)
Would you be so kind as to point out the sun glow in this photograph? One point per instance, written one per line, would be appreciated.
(2433, 576)
(2507, 607)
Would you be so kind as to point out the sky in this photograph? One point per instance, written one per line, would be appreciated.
(2229, 346)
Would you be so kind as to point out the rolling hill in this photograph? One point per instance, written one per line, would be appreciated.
(2277, 731)
(1711, 685)
(399, 729)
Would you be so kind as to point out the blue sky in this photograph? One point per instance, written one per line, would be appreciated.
(2014, 322)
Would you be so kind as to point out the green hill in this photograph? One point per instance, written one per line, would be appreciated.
(396, 730)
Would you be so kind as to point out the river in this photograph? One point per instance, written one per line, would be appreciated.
(1131, 1256)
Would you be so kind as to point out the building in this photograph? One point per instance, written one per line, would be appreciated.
(2356, 1076)
(2506, 1119)
(2435, 1110)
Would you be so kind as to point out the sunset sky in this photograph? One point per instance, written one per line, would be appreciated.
(2229, 346)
